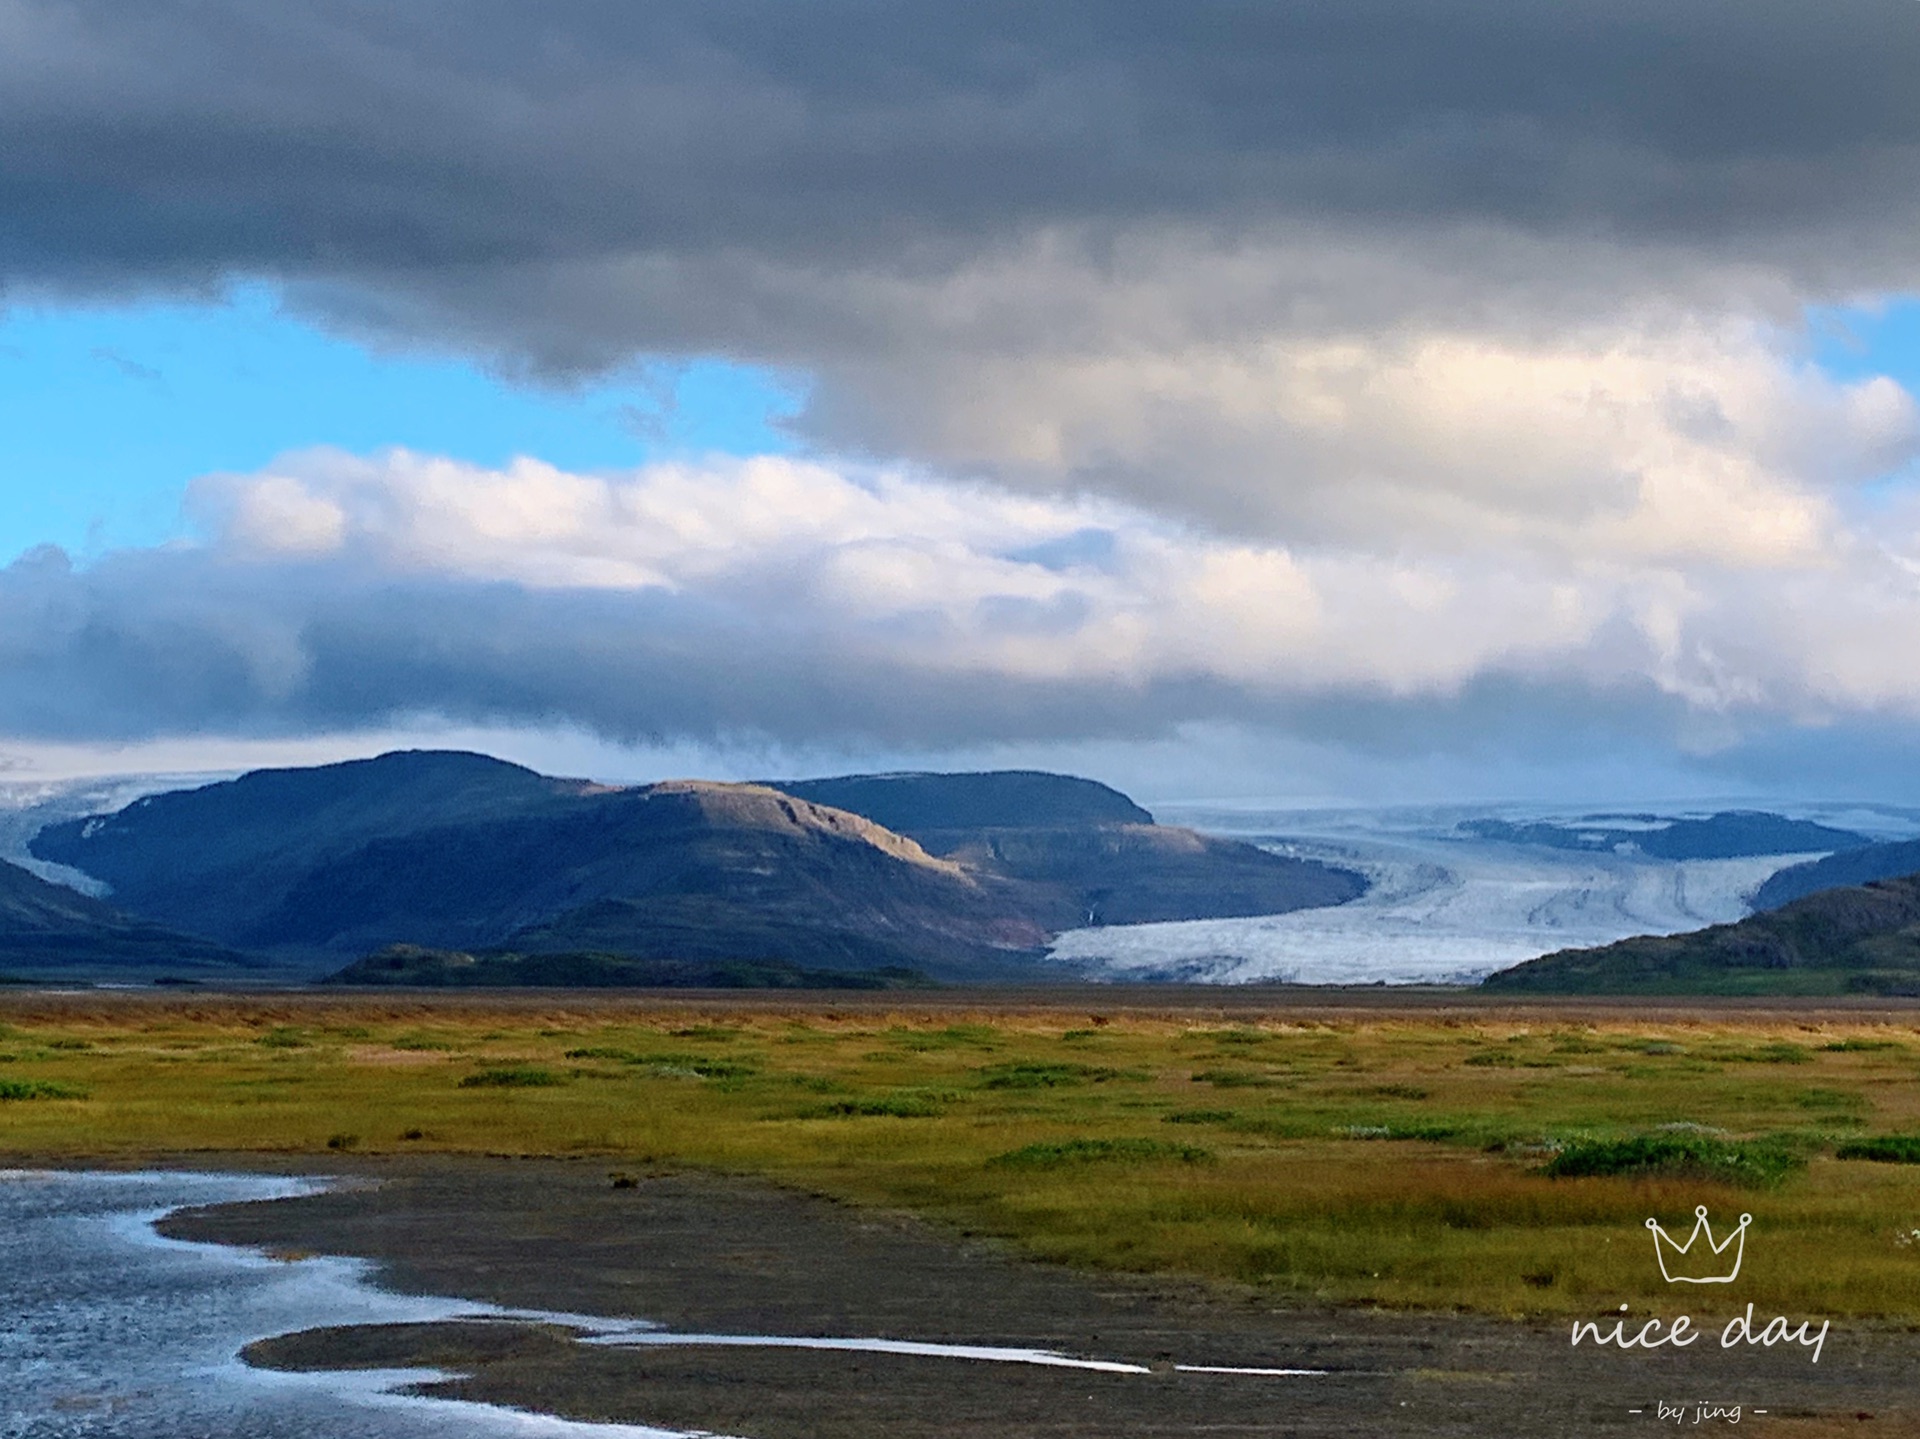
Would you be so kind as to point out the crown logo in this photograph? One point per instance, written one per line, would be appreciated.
(1708, 1264)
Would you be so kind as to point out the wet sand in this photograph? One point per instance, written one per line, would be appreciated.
(714, 1255)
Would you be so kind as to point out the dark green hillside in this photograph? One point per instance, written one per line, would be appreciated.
(1862, 939)
(412, 967)
(1860, 865)
(48, 929)
(706, 930)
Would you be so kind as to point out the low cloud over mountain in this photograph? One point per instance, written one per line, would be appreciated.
(810, 603)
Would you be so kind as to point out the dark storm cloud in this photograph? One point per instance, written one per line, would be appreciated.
(432, 149)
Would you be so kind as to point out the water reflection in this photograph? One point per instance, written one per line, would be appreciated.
(113, 1332)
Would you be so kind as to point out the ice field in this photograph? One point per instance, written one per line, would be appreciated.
(1444, 907)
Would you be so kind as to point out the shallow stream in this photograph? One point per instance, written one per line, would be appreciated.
(115, 1332)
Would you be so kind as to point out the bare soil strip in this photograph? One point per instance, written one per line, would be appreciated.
(714, 1255)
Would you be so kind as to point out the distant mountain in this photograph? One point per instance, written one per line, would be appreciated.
(1850, 866)
(454, 851)
(1732, 834)
(680, 870)
(221, 859)
(1142, 874)
(923, 805)
(465, 854)
(49, 931)
(1085, 841)
(1860, 939)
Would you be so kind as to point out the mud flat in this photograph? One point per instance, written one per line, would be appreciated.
(701, 1255)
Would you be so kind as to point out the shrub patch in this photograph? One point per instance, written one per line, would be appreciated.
(38, 1089)
(1751, 1163)
(1886, 1149)
(1049, 1154)
(515, 1078)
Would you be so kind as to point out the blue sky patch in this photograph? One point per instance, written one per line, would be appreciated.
(108, 413)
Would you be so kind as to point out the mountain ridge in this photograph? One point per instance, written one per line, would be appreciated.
(1859, 865)
(1855, 939)
(456, 852)
(50, 929)
(916, 802)
(1725, 834)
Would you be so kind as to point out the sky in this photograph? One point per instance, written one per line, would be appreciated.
(1397, 399)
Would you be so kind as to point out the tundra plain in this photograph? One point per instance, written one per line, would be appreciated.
(1415, 1152)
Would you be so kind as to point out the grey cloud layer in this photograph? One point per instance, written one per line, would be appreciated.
(339, 595)
(1030, 243)
(1222, 259)
(445, 143)
(1403, 290)
(177, 643)
(786, 601)
(165, 643)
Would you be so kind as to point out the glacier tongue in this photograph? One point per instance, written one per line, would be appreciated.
(1444, 907)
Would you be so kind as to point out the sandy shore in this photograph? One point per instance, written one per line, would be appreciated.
(704, 1254)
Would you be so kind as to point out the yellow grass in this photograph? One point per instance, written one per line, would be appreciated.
(1387, 1156)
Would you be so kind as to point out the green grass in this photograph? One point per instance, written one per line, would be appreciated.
(1375, 1158)
(885, 1106)
(514, 1077)
(1238, 1079)
(1044, 1076)
(38, 1089)
(674, 1063)
(1756, 1164)
(1859, 1046)
(1888, 1149)
(1089, 1151)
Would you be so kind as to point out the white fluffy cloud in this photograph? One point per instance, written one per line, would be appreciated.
(1686, 517)
(1676, 533)
(912, 572)
(1621, 426)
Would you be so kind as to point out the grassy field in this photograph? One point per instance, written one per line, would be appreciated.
(1503, 1161)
